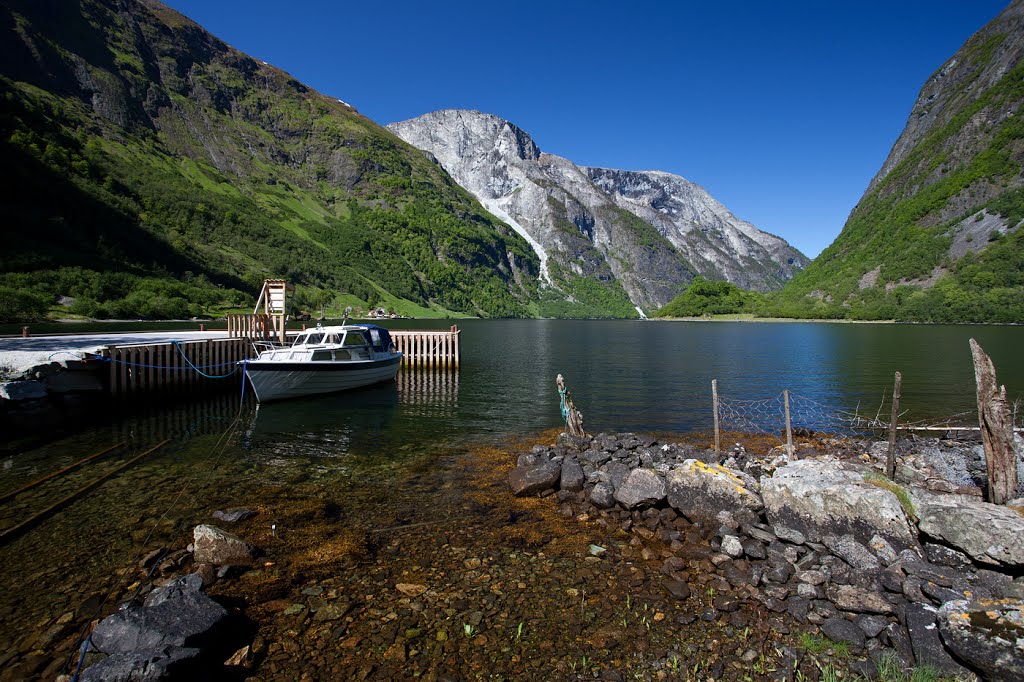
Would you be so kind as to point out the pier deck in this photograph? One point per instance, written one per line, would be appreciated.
(156, 361)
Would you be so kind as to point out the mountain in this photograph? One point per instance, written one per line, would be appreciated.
(936, 236)
(717, 244)
(162, 173)
(640, 236)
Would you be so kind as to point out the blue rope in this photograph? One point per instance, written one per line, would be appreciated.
(173, 369)
(563, 405)
(233, 365)
(201, 372)
(81, 658)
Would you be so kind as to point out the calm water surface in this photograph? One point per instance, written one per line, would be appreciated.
(624, 376)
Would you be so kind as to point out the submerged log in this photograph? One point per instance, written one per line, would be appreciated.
(996, 423)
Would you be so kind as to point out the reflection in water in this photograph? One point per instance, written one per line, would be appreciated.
(181, 421)
(429, 391)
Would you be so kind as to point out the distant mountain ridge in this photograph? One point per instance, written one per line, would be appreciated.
(642, 235)
(936, 236)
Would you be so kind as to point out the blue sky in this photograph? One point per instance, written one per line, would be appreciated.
(783, 111)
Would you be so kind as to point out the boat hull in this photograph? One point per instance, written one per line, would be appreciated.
(277, 380)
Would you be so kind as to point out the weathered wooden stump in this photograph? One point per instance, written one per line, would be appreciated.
(573, 418)
(996, 423)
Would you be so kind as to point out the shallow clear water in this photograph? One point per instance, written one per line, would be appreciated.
(624, 376)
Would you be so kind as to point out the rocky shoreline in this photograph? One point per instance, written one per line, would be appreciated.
(920, 569)
(689, 569)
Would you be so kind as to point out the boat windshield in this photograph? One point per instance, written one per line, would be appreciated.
(354, 338)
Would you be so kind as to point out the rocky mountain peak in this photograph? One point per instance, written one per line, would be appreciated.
(648, 232)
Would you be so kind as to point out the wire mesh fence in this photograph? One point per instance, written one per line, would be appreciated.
(768, 416)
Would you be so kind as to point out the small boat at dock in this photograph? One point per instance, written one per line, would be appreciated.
(324, 360)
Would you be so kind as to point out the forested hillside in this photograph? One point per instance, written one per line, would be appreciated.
(936, 236)
(158, 172)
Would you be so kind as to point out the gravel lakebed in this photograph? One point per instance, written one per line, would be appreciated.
(438, 572)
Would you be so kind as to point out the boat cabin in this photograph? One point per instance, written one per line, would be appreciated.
(354, 342)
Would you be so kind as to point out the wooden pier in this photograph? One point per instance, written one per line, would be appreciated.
(208, 363)
(428, 348)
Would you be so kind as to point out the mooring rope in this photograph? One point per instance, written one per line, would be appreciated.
(165, 367)
(197, 368)
(201, 372)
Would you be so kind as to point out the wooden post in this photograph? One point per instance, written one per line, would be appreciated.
(996, 424)
(789, 426)
(122, 386)
(714, 403)
(112, 369)
(458, 344)
(890, 465)
(572, 416)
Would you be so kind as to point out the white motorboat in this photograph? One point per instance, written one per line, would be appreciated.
(324, 360)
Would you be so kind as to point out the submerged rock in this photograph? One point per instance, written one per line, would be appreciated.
(175, 615)
(160, 639)
(146, 665)
(215, 546)
(234, 515)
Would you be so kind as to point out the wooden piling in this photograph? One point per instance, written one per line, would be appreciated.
(890, 466)
(789, 425)
(714, 402)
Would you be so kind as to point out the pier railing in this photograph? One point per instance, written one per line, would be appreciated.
(428, 348)
(136, 369)
(256, 326)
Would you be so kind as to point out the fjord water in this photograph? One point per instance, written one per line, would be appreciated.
(656, 376)
(392, 446)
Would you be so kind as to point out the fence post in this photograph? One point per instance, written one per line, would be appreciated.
(714, 402)
(789, 426)
(890, 465)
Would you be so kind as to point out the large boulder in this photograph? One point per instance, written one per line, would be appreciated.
(986, 633)
(641, 488)
(702, 491)
(988, 533)
(215, 546)
(815, 498)
(178, 615)
(22, 390)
